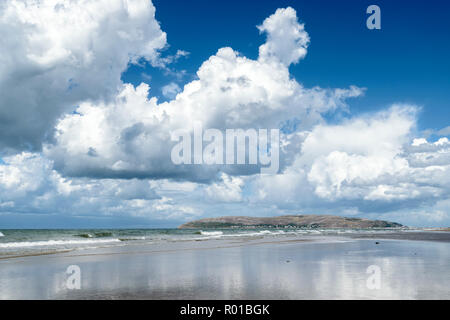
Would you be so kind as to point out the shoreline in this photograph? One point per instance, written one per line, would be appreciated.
(152, 248)
(413, 235)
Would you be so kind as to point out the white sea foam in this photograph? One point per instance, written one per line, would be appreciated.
(132, 238)
(1, 234)
(211, 233)
(220, 234)
(214, 235)
(50, 243)
(259, 233)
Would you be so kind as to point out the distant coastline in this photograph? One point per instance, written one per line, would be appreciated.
(289, 221)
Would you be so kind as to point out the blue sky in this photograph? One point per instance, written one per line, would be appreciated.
(89, 107)
(406, 61)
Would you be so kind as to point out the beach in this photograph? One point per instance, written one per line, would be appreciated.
(323, 266)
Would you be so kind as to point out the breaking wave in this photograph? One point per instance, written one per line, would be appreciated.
(211, 233)
(27, 244)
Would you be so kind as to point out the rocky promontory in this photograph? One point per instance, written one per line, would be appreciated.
(292, 221)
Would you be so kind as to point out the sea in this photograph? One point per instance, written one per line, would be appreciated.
(18, 242)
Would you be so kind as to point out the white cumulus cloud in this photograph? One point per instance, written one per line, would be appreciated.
(130, 135)
(371, 164)
(56, 54)
(287, 40)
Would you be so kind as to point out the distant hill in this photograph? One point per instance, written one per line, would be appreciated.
(295, 221)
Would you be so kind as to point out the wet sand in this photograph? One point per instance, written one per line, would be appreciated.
(439, 235)
(276, 268)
